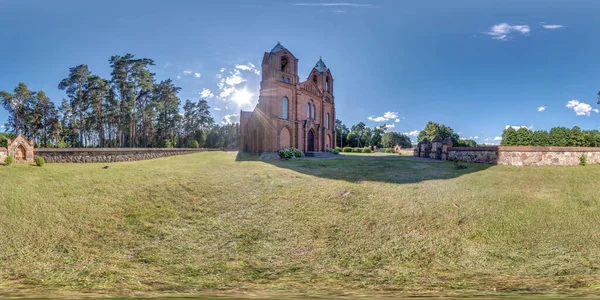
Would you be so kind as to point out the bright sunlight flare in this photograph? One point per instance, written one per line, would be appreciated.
(242, 97)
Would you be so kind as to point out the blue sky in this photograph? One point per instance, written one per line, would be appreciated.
(477, 66)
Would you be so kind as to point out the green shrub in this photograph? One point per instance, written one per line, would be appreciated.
(8, 161)
(333, 151)
(338, 149)
(357, 150)
(459, 165)
(582, 160)
(347, 149)
(193, 144)
(388, 150)
(287, 153)
(39, 161)
(167, 144)
(367, 150)
(61, 143)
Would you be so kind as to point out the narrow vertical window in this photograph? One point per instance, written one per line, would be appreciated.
(284, 64)
(282, 79)
(327, 84)
(308, 111)
(314, 112)
(284, 108)
(327, 121)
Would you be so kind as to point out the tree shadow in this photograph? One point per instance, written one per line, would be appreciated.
(390, 169)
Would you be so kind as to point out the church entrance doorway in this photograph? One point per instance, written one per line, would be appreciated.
(310, 140)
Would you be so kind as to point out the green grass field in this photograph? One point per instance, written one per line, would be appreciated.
(209, 223)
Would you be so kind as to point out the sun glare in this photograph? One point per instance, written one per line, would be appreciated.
(242, 97)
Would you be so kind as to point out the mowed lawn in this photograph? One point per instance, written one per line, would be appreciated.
(216, 223)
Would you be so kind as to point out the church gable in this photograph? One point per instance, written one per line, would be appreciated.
(311, 87)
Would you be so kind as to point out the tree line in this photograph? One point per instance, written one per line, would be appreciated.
(433, 129)
(361, 135)
(129, 109)
(557, 136)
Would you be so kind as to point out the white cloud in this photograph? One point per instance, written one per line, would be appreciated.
(229, 119)
(502, 31)
(497, 138)
(390, 126)
(397, 120)
(178, 77)
(225, 92)
(206, 93)
(580, 108)
(541, 108)
(553, 26)
(517, 127)
(197, 75)
(377, 119)
(250, 67)
(346, 4)
(487, 139)
(187, 72)
(234, 78)
(217, 109)
(413, 133)
(243, 67)
(339, 11)
(390, 115)
(386, 116)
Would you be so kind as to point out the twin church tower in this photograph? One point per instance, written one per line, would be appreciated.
(290, 113)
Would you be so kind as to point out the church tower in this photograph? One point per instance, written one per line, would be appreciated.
(290, 113)
(321, 76)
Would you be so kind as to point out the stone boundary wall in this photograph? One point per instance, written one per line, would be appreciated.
(482, 155)
(525, 155)
(3, 154)
(93, 155)
(407, 151)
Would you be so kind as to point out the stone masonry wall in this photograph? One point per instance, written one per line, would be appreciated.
(525, 155)
(546, 156)
(482, 155)
(92, 155)
(3, 154)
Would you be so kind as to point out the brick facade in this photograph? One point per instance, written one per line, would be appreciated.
(290, 112)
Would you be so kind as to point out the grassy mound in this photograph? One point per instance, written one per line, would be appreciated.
(208, 223)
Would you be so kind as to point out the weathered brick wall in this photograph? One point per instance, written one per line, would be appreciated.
(525, 155)
(482, 155)
(92, 155)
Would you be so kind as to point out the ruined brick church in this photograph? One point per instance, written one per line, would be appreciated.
(290, 113)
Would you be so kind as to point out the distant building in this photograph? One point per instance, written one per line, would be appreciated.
(290, 113)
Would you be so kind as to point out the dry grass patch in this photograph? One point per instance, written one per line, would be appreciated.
(206, 223)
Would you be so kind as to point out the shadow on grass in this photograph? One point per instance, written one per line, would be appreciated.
(392, 169)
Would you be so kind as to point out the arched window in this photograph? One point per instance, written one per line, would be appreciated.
(314, 111)
(327, 84)
(282, 79)
(308, 111)
(327, 121)
(284, 64)
(315, 78)
(287, 80)
(284, 108)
